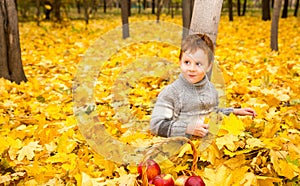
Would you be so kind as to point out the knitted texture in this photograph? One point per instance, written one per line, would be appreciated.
(182, 103)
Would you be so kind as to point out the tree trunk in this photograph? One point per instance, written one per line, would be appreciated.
(244, 8)
(124, 13)
(48, 9)
(11, 67)
(186, 17)
(57, 4)
(153, 6)
(139, 6)
(266, 15)
(86, 13)
(144, 4)
(274, 26)
(285, 9)
(129, 8)
(172, 9)
(38, 12)
(159, 8)
(239, 7)
(296, 8)
(206, 18)
(230, 11)
(104, 6)
(78, 6)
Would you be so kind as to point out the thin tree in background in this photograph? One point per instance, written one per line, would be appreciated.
(230, 11)
(38, 11)
(266, 15)
(296, 8)
(11, 67)
(159, 8)
(78, 6)
(139, 6)
(86, 13)
(186, 16)
(285, 9)
(153, 7)
(244, 8)
(274, 26)
(144, 4)
(104, 6)
(124, 15)
(56, 5)
(239, 7)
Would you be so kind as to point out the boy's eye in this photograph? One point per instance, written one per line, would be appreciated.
(199, 64)
(187, 62)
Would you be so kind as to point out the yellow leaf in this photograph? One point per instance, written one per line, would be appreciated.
(233, 125)
(235, 162)
(267, 181)
(228, 141)
(282, 166)
(88, 181)
(254, 142)
(249, 179)
(29, 150)
(217, 177)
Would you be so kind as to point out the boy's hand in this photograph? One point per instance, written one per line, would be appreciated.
(198, 129)
(245, 112)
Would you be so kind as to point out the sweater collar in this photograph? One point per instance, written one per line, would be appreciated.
(200, 84)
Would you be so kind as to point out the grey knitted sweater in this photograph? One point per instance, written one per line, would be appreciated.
(182, 103)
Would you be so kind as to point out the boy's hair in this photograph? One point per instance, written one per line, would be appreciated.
(198, 41)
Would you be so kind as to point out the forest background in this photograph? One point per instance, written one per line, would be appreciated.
(41, 143)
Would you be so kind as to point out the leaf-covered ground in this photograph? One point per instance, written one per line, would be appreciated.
(42, 145)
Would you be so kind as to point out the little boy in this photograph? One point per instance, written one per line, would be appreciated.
(182, 105)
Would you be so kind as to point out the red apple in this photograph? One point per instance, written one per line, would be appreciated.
(152, 169)
(194, 181)
(163, 180)
(180, 180)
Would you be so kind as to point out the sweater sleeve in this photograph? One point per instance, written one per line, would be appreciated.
(164, 120)
(225, 111)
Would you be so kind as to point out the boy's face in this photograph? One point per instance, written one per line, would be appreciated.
(194, 65)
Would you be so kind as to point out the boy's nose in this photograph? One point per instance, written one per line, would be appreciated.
(192, 67)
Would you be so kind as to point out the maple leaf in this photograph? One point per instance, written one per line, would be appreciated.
(228, 141)
(233, 125)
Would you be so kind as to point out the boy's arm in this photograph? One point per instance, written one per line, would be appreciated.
(163, 119)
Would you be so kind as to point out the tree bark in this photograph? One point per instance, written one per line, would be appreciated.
(124, 13)
(11, 67)
(144, 4)
(266, 15)
(56, 5)
(78, 6)
(285, 9)
(129, 8)
(104, 6)
(205, 19)
(38, 12)
(274, 26)
(159, 8)
(230, 11)
(239, 7)
(296, 8)
(139, 6)
(153, 6)
(244, 8)
(186, 17)
(86, 13)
